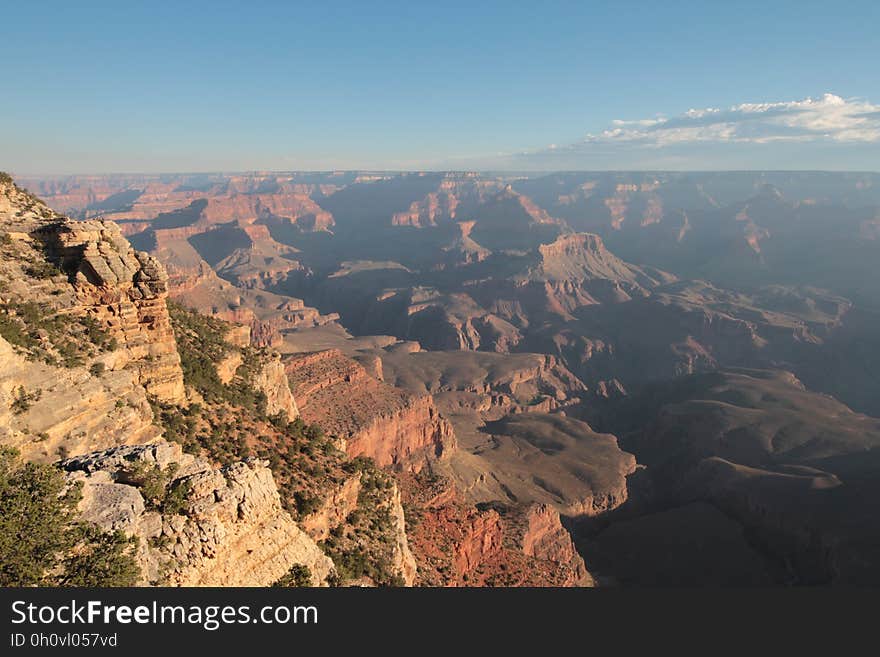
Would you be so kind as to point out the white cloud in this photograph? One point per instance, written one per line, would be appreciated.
(827, 132)
(829, 118)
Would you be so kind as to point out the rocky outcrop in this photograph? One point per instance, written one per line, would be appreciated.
(69, 411)
(456, 544)
(335, 508)
(545, 538)
(228, 365)
(268, 377)
(271, 379)
(372, 418)
(125, 290)
(230, 531)
(403, 562)
(91, 332)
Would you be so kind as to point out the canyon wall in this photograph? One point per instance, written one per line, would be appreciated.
(231, 530)
(125, 290)
(271, 379)
(70, 411)
(374, 419)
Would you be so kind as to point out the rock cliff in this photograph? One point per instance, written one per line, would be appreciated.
(84, 332)
(50, 412)
(89, 270)
(229, 529)
(271, 379)
(125, 290)
(374, 419)
(456, 544)
(90, 372)
(545, 538)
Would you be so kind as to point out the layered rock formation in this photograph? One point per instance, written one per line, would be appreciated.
(106, 280)
(229, 531)
(126, 291)
(488, 383)
(85, 334)
(69, 411)
(271, 380)
(573, 271)
(456, 544)
(87, 348)
(373, 419)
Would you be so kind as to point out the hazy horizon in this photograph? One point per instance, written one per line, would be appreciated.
(484, 172)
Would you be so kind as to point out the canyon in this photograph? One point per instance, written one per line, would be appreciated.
(569, 379)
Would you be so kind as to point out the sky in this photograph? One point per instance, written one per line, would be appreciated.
(102, 87)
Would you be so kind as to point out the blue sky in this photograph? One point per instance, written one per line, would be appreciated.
(162, 86)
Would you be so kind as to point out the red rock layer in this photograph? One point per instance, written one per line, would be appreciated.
(389, 425)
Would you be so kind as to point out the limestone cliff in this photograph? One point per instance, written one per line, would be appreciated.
(85, 343)
(271, 379)
(125, 290)
(89, 270)
(85, 336)
(49, 412)
(230, 529)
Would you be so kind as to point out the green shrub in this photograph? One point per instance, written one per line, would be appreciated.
(96, 334)
(97, 369)
(68, 340)
(41, 269)
(42, 543)
(306, 503)
(176, 497)
(14, 331)
(298, 576)
(104, 559)
(158, 487)
(24, 400)
(201, 343)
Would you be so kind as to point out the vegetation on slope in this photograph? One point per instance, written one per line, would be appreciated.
(362, 547)
(231, 424)
(54, 338)
(41, 541)
(298, 576)
(44, 331)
